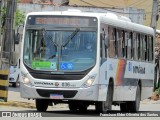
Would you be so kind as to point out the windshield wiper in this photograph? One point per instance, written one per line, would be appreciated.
(71, 36)
(50, 38)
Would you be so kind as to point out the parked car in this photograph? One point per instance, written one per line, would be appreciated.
(14, 75)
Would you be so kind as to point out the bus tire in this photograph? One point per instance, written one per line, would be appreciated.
(42, 104)
(156, 78)
(72, 107)
(124, 107)
(83, 108)
(134, 105)
(105, 106)
(14, 84)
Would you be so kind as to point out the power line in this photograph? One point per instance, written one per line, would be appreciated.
(113, 10)
(96, 1)
(135, 3)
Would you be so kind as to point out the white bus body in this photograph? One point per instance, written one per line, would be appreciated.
(131, 80)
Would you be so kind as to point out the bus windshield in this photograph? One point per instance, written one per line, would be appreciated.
(60, 50)
(60, 43)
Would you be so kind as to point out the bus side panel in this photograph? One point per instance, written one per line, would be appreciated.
(103, 81)
(126, 75)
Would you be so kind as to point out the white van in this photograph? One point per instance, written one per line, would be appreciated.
(14, 74)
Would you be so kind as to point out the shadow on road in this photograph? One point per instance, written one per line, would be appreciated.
(17, 89)
(90, 113)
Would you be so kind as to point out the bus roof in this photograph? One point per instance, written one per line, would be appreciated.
(108, 18)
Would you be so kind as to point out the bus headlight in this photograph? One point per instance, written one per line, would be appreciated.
(89, 82)
(26, 80)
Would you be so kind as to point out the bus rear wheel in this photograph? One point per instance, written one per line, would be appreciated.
(105, 106)
(156, 78)
(134, 105)
(42, 104)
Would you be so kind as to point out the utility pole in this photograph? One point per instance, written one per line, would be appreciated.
(1, 5)
(8, 37)
(154, 17)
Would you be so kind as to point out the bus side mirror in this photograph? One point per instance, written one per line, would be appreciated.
(17, 38)
(17, 35)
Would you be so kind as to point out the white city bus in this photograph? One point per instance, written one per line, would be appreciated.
(84, 59)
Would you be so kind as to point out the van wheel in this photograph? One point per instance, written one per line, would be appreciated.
(42, 104)
(105, 106)
(14, 84)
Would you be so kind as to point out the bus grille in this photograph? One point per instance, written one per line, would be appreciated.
(65, 93)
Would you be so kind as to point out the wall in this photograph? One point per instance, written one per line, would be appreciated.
(139, 4)
(137, 18)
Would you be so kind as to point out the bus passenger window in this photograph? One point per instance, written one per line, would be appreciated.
(139, 46)
(142, 48)
(152, 48)
(150, 41)
(119, 43)
(132, 45)
(129, 39)
(112, 42)
(145, 44)
(123, 44)
(135, 47)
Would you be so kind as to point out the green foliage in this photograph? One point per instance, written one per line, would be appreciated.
(3, 14)
(19, 18)
(18, 1)
(2, 17)
(157, 91)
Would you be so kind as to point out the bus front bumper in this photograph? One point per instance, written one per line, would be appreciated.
(33, 92)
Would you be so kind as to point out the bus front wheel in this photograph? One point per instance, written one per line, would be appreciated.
(72, 107)
(105, 106)
(42, 104)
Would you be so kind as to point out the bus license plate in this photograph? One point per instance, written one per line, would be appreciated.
(56, 96)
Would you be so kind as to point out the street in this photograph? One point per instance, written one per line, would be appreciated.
(89, 51)
(148, 109)
(14, 95)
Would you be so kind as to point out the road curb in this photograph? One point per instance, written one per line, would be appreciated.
(28, 105)
(18, 104)
(150, 101)
(32, 105)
